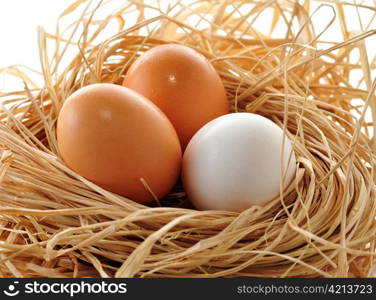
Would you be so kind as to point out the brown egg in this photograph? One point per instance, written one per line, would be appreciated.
(182, 83)
(115, 137)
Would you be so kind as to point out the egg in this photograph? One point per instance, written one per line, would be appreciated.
(236, 161)
(119, 140)
(182, 83)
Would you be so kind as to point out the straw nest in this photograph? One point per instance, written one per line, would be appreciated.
(55, 223)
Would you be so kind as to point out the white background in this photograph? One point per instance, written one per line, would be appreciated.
(18, 28)
(19, 20)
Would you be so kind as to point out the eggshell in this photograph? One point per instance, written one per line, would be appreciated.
(182, 83)
(236, 161)
(114, 136)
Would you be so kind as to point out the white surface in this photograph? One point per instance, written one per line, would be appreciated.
(235, 161)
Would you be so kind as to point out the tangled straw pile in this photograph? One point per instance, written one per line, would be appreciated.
(55, 223)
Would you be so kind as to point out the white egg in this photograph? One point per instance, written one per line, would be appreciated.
(236, 161)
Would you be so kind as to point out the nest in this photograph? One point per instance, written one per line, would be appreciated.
(54, 223)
